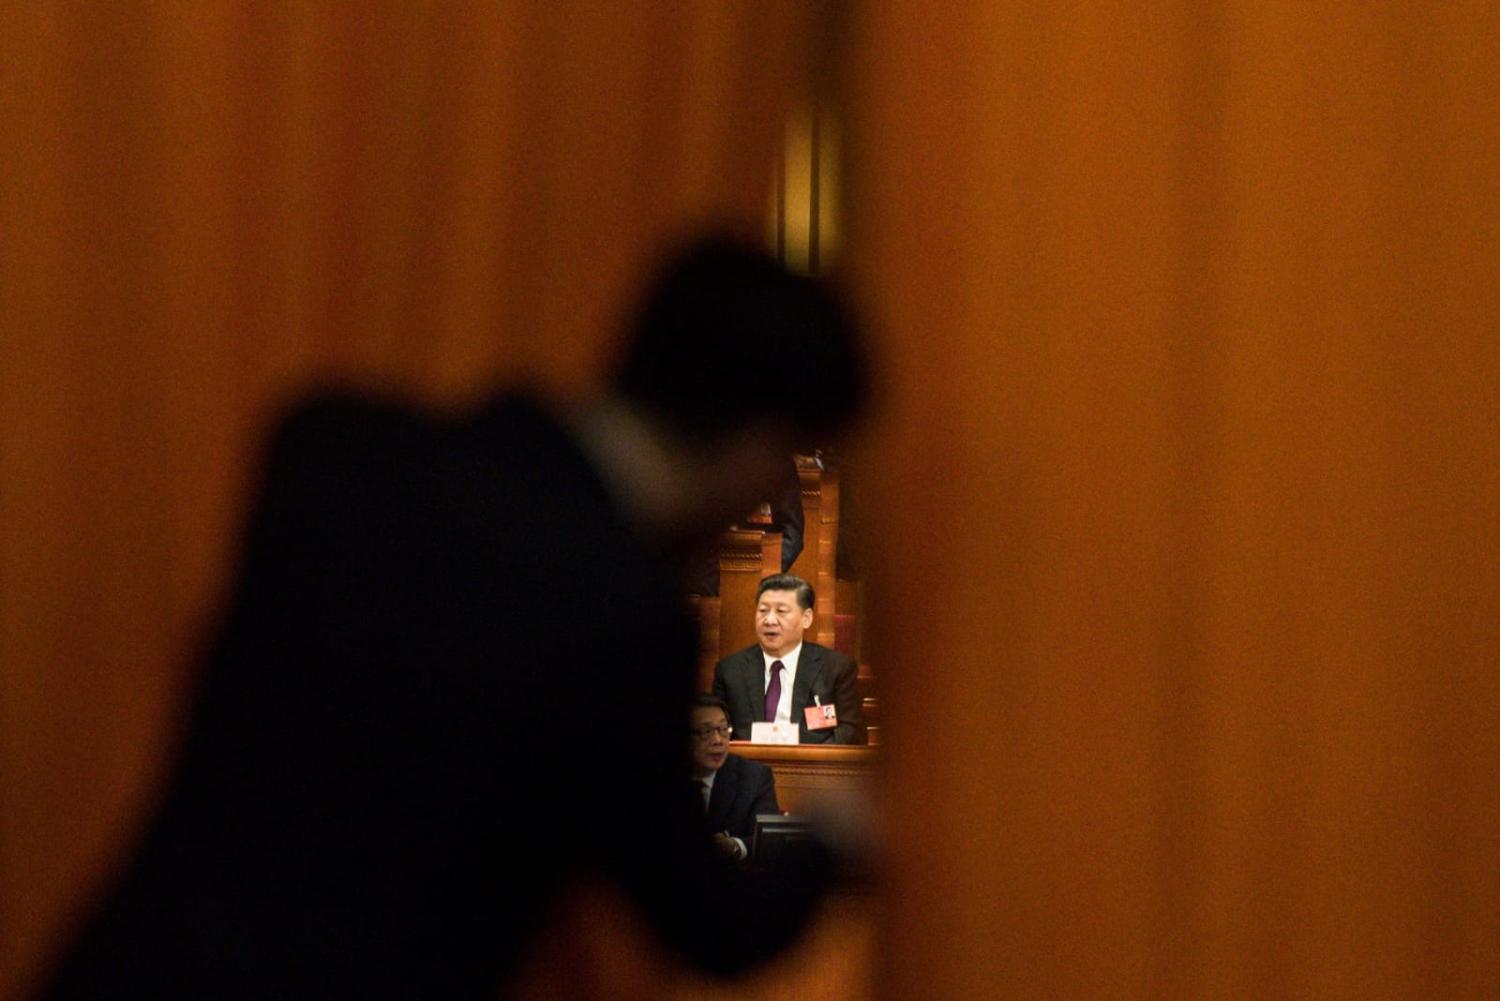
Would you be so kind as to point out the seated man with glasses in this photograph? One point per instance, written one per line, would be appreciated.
(733, 789)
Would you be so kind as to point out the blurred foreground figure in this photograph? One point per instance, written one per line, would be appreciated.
(393, 761)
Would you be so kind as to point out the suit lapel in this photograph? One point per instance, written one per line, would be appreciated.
(809, 676)
(754, 667)
(721, 797)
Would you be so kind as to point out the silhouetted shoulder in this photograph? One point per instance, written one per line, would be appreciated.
(330, 427)
(350, 463)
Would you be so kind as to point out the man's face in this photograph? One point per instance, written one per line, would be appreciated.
(710, 739)
(780, 621)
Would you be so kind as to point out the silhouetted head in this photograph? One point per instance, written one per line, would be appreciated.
(726, 339)
(730, 364)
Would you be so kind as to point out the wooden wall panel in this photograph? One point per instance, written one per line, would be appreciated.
(745, 557)
(810, 777)
(826, 582)
(816, 564)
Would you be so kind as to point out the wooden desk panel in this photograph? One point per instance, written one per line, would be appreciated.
(809, 774)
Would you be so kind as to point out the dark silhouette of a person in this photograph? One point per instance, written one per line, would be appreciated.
(391, 764)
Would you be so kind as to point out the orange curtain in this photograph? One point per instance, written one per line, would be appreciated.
(1186, 489)
(208, 205)
(1189, 491)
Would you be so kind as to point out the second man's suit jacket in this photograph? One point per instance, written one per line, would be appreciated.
(739, 680)
(742, 789)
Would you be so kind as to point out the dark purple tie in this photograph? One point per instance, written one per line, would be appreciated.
(773, 691)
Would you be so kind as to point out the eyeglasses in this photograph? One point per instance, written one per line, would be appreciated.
(709, 732)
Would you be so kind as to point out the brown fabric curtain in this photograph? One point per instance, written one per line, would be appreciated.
(1189, 491)
(1185, 502)
(208, 205)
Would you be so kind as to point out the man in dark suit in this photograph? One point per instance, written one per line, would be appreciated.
(379, 790)
(782, 676)
(733, 789)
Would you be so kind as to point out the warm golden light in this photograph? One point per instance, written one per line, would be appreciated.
(804, 224)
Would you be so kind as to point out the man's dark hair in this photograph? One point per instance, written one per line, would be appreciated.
(788, 582)
(703, 700)
(727, 338)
